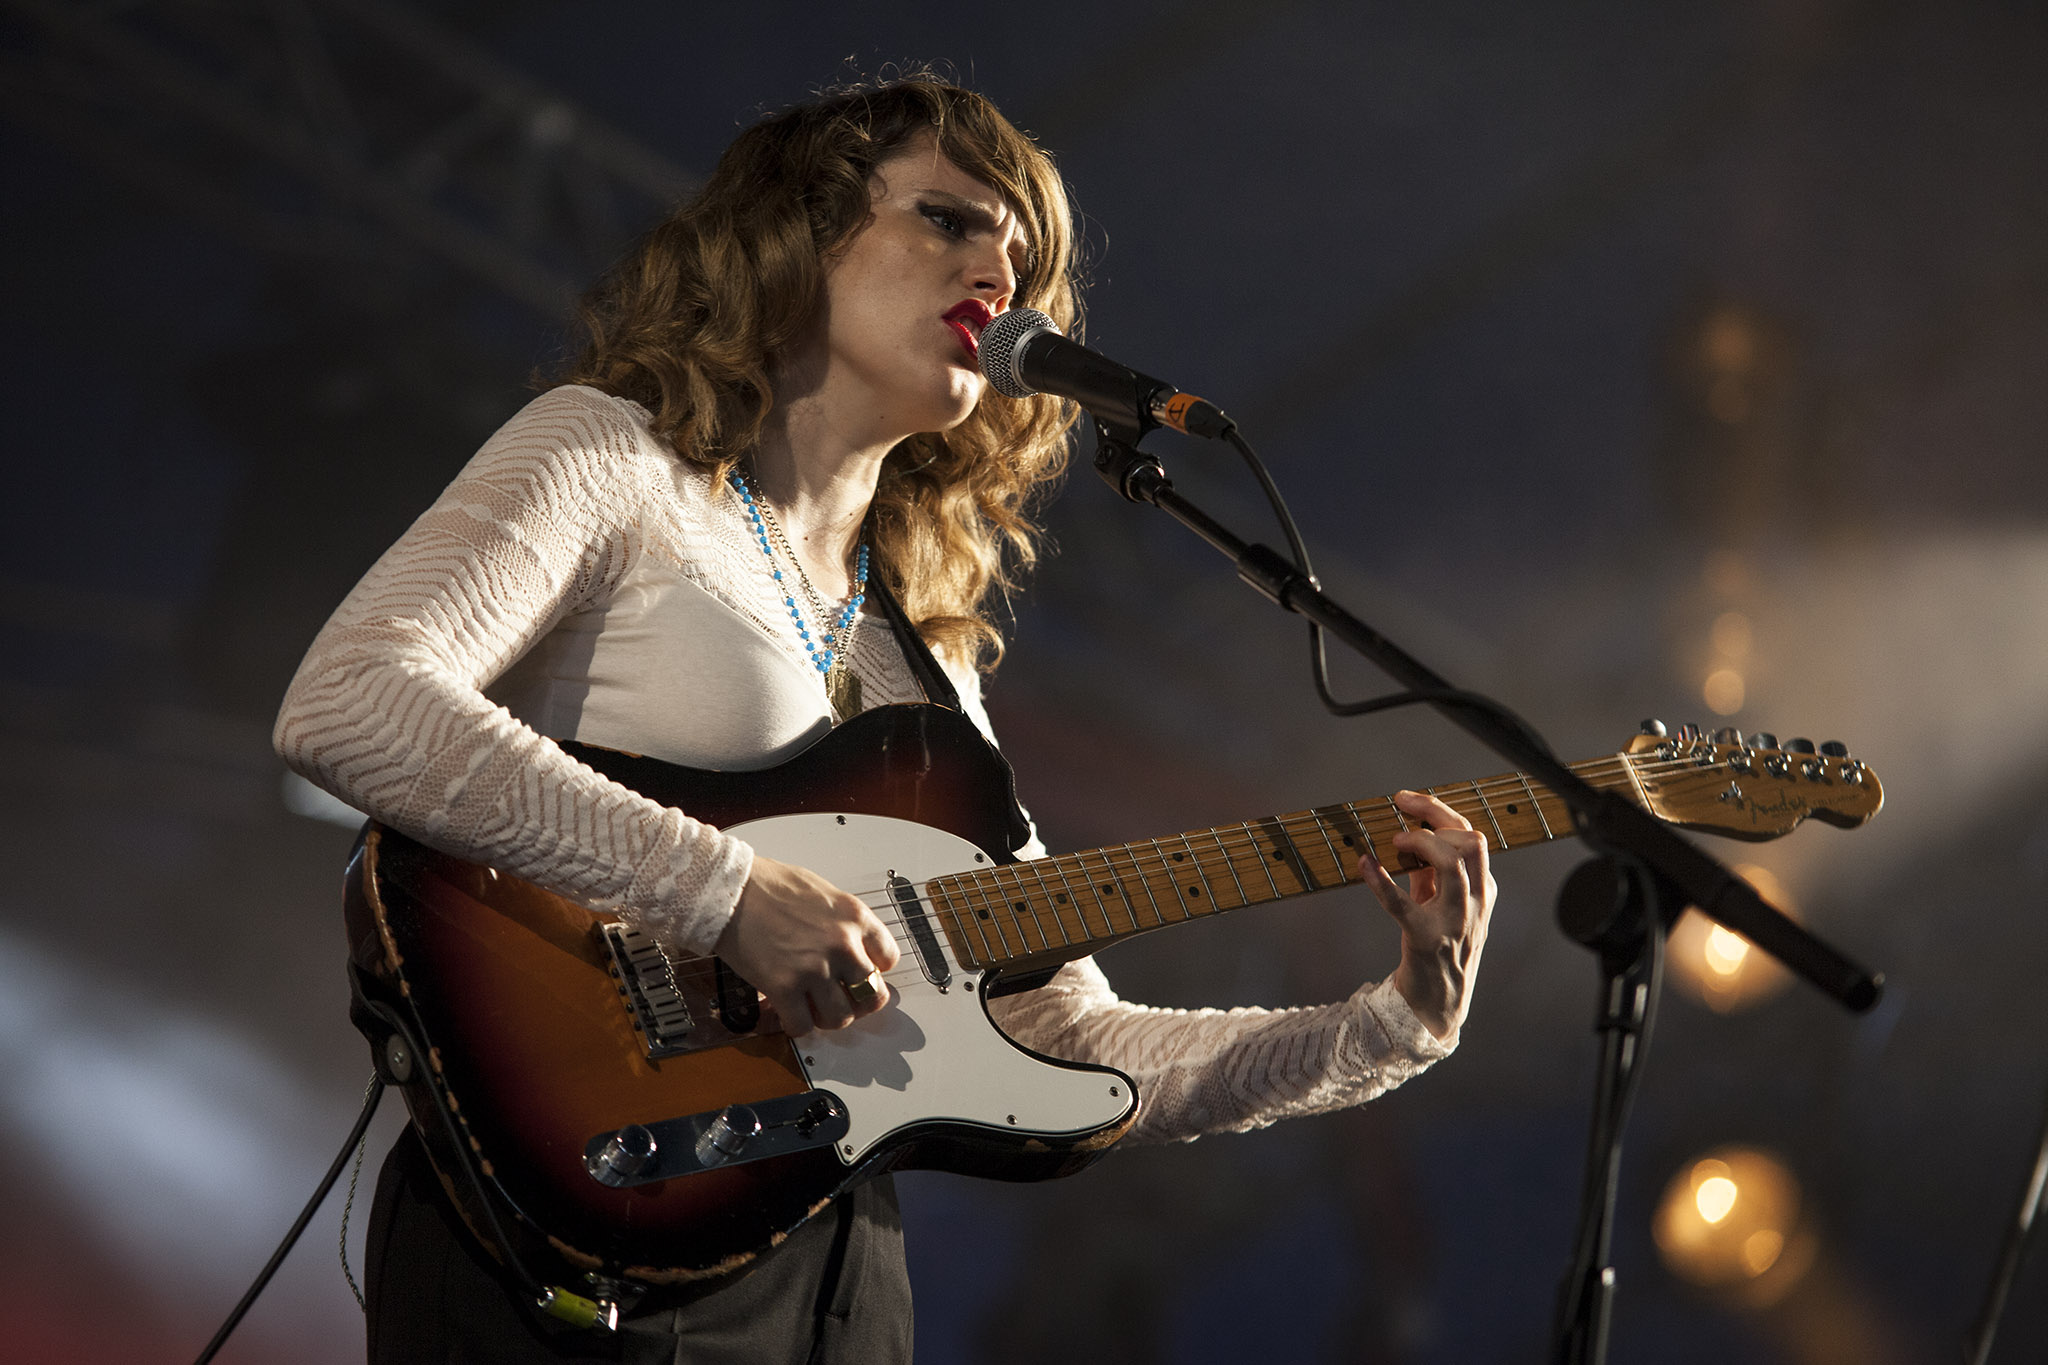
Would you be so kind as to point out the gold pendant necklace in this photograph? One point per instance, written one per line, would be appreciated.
(842, 689)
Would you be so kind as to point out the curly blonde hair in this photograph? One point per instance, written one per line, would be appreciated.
(690, 323)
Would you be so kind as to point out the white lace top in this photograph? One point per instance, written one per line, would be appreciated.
(578, 580)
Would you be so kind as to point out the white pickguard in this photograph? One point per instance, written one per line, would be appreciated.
(928, 1055)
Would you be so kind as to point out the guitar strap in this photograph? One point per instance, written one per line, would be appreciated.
(939, 690)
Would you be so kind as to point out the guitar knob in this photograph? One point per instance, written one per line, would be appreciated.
(1798, 746)
(1728, 734)
(1834, 748)
(624, 1155)
(1654, 727)
(727, 1135)
(1763, 739)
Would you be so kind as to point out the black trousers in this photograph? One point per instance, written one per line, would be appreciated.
(835, 1293)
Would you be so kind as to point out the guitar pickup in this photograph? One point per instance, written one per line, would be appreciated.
(922, 936)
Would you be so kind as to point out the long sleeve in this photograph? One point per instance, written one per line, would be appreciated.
(1217, 1071)
(1226, 1071)
(388, 710)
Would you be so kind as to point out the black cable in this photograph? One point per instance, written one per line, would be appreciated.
(1319, 660)
(355, 1136)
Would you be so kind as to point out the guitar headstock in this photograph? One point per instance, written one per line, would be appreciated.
(1748, 786)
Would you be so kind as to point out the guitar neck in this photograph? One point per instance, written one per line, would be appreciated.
(1052, 910)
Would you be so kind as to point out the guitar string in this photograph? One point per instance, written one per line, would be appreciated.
(1228, 844)
(1231, 843)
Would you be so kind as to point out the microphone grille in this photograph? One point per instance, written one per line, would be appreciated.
(1002, 344)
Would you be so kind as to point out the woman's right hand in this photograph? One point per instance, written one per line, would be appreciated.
(801, 941)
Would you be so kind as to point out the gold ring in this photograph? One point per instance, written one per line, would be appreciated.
(862, 992)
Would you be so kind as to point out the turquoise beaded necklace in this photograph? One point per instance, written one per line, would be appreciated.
(828, 651)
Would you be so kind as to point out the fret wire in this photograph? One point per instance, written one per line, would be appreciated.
(1399, 818)
(1060, 923)
(1488, 807)
(1120, 893)
(1080, 913)
(1286, 852)
(1301, 861)
(1230, 864)
(986, 915)
(1037, 866)
(1358, 824)
(1059, 870)
(1166, 867)
(1208, 894)
(1323, 832)
(990, 915)
(1007, 923)
(1346, 817)
(1078, 864)
(965, 882)
(1265, 863)
(963, 944)
(949, 919)
(1537, 802)
(1158, 916)
(1018, 901)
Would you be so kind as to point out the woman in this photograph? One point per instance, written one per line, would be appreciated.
(676, 553)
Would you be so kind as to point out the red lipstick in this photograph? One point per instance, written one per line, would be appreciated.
(967, 318)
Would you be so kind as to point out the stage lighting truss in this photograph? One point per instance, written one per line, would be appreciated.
(350, 129)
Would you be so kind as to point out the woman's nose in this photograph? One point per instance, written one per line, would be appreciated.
(996, 282)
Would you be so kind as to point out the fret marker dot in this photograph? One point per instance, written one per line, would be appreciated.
(1512, 809)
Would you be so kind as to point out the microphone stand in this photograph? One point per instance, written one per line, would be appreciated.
(1620, 904)
(1977, 1350)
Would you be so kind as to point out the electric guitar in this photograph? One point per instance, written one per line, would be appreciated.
(634, 1113)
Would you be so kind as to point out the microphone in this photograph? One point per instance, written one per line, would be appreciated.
(1023, 353)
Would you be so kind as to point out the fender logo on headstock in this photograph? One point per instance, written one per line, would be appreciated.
(1785, 806)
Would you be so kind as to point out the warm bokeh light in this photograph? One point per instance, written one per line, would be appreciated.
(1715, 1197)
(1728, 574)
(1720, 968)
(1732, 636)
(1724, 691)
(1731, 1220)
(1725, 952)
(1728, 341)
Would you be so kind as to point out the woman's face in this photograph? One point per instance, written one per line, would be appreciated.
(907, 295)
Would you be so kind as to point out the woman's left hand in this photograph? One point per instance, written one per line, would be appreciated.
(1442, 914)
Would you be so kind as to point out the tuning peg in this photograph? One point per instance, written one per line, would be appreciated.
(1798, 746)
(1728, 734)
(1834, 748)
(1654, 727)
(1689, 733)
(1763, 739)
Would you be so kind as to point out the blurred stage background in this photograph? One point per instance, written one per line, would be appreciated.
(1616, 357)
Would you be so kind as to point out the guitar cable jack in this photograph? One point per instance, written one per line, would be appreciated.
(578, 1311)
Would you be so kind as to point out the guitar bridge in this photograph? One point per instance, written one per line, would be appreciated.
(678, 1007)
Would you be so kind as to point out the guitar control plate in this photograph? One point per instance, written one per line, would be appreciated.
(788, 1123)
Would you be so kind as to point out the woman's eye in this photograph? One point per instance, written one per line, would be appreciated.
(946, 220)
